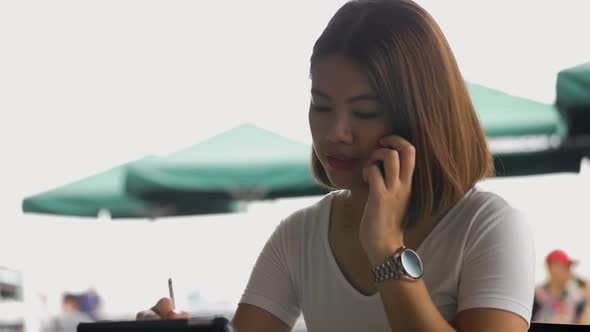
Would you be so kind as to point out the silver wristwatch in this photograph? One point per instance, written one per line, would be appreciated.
(403, 264)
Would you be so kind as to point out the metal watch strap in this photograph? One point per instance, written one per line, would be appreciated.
(390, 269)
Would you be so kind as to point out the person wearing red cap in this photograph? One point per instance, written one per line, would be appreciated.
(562, 299)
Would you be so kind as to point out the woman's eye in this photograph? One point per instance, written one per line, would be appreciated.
(364, 115)
(320, 108)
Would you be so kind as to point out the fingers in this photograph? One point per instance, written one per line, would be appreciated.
(374, 178)
(163, 307)
(147, 315)
(406, 155)
(152, 315)
(174, 314)
(390, 160)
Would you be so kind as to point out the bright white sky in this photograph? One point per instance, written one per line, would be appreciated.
(85, 86)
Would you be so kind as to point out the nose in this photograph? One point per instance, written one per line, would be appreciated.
(340, 130)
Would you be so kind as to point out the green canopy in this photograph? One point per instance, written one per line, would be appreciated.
(573, 100)
(573, 87)
(562, 160)
(244, 163)
(525, 136)
(505, 115)
(251, 163)
(104, 192)
(248, 163)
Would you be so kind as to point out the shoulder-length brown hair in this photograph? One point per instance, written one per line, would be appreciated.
(412, 68)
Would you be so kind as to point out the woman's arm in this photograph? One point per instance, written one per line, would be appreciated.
(497, 262)
(485, 320)
(410, 308)
(249, 318)
(269, 302)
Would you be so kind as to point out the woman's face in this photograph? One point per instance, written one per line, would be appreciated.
(346, 119)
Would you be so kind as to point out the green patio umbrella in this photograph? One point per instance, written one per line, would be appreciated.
(104, 192)
(245, 163)
(252, 163)
(573, 87)
(573, 100)
(505, 115)
(525, 136)
(249, 163)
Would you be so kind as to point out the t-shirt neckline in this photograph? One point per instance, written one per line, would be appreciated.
(333, 263)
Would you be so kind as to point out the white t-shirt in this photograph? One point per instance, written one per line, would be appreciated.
(479, 255)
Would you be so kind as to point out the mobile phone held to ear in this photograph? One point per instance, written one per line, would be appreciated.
(381, 168)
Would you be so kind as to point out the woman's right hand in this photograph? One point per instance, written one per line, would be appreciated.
(164, 309)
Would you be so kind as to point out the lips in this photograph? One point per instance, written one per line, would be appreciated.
(341, 162)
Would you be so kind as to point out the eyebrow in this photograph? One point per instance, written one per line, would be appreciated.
(367, 96)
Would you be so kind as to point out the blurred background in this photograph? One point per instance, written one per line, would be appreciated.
(86, 86)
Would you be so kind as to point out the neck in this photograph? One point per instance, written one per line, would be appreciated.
(555, 287)
(351, 203)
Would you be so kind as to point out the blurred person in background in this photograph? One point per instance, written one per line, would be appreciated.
(562, 299)
(70, 316)
(585, 284)
(91, 304)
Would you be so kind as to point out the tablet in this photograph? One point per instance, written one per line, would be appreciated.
(548, 327)
(216, 324)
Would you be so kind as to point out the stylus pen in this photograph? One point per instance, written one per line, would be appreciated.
(171, 290)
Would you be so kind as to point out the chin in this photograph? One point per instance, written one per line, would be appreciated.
(346, 182)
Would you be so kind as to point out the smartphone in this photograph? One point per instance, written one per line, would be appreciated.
(381, 168)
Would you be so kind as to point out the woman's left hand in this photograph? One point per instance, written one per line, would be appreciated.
(381, 229)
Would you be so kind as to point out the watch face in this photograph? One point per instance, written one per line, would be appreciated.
(411, 263)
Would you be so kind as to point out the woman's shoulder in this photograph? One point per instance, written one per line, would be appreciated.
(484, 213)
(481, 210)
(482, 197)
(482, 203)
(311, 214)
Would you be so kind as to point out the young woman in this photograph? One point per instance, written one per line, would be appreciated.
(405, 241)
